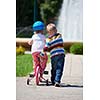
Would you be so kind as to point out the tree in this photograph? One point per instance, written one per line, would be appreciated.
(46, 9)
(24, 12)
(50, 9)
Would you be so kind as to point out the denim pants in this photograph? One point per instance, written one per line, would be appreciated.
(57, 63)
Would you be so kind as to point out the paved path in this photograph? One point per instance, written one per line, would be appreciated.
(72, 75)
(73, 69)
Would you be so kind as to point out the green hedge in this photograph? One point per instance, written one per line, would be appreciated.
(77, 48)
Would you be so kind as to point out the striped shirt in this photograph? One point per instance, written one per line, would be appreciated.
(54, 44)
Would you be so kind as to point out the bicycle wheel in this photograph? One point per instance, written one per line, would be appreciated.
(28, 81)
(37, 75)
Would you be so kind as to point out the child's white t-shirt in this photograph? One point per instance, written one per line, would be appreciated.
(38, 42)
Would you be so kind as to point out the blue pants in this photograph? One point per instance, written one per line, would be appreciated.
(57, 63)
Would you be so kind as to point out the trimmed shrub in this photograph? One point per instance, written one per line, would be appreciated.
(77, 48)
(67, 49)
(20, 50)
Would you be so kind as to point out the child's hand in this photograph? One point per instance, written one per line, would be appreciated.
(42, 56)
(30, 42)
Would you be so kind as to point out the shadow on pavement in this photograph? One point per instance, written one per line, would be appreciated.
(62, 85)
(43, 83)
(69, 85)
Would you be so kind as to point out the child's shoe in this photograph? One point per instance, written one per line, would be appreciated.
(32, 75)
(40, 79)
(57, 84)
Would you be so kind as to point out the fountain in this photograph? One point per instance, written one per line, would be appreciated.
(70, 20)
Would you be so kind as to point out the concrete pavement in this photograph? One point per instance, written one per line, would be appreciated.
(73, 70)
(72, 75)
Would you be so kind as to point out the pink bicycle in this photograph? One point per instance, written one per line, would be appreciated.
(37, 75)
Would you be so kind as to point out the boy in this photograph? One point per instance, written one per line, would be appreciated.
(55, 47)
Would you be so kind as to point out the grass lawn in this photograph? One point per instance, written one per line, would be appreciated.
(24, 65)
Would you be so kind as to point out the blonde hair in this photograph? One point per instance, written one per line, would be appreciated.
(51, 27)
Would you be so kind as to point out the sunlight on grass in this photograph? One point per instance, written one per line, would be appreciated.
(24, 64)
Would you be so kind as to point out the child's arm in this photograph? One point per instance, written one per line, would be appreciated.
(30, 42)
(46, 48)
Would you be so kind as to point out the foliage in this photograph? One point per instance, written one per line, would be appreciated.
(23, 64)
(24, 12)
(65, 50)
(77, 48)
(20, 50)
(48, 9)
(23, 35)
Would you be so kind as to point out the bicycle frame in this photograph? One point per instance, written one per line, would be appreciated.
(37, 74)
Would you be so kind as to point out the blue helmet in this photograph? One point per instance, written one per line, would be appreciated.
(38, 25)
